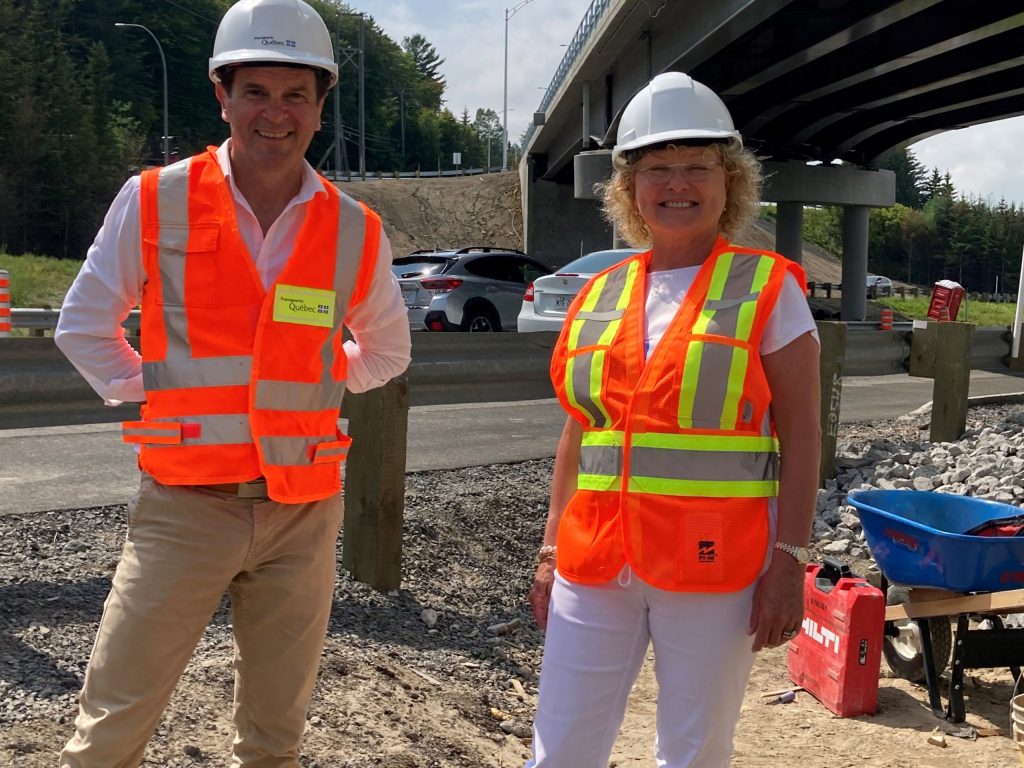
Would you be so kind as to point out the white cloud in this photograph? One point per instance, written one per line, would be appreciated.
(470, 36)
(979, 159)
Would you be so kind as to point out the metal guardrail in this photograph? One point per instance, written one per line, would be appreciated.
(446, 367)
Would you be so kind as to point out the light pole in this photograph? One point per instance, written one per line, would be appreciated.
(163, 63)
(509, 13)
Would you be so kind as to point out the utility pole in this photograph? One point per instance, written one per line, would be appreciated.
(362, 101)
(347, 55)
(401, 103)
(509, 13)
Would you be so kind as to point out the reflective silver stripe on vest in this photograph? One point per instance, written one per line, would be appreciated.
(605, 309)
(676, 464)
(172, 213)
(201, 372)
(298, 396)
(291, 451)
(228, 429)
(712, 383)
(601, 460)
(672, 464)
(147, 432)
(584, 366)
(328, 393)
(603, 317)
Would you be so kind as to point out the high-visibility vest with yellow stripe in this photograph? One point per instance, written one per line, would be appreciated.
(242, 381)
(679, 457)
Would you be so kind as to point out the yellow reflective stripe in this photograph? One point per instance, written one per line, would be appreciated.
(598, 483)
(588, 306)
(720, 489)
(604, 437)
(691, 373)
(750, 443)
(745, 318)
(715, 290)
(734, 387)
(596, 369)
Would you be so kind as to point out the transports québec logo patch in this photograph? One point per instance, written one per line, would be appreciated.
(303, 306)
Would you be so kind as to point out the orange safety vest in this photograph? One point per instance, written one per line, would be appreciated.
(241, 381)
(679, 456)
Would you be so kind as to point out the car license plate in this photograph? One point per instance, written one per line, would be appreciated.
(409, 294)
(562, 302)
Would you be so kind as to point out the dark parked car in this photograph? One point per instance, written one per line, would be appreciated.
(477, 288)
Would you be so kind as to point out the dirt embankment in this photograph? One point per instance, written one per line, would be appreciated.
(445, 213)
(486, 210)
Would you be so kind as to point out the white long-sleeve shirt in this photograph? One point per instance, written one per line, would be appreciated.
(110, 283)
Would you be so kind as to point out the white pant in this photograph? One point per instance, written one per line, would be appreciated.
(596, 641)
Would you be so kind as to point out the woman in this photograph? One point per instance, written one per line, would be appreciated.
(685, 371)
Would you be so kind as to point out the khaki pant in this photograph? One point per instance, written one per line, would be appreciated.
(185, 547)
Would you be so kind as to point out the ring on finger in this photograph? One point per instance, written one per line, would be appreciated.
(790, 634)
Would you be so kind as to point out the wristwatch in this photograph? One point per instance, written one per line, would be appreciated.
(801, 554)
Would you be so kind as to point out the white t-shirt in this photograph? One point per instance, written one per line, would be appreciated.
(666, 290)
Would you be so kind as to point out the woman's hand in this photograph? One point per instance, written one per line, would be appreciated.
(540, 593)
(778, 603)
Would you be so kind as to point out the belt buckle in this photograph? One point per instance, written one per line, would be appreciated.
(253, 489)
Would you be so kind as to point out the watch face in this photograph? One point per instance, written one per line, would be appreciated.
(803, 555)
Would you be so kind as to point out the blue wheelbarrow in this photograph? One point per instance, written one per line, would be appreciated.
(944, 558)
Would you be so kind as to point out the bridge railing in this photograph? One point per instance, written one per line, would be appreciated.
(572, 52)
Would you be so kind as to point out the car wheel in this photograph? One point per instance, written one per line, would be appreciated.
(480, 320)
(903, 650)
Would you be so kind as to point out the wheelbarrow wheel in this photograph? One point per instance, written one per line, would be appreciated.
(902, 646)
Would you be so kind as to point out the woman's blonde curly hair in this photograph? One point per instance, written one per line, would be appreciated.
(743, 192)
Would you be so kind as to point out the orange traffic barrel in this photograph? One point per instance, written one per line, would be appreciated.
(5, 303)
(885, 324)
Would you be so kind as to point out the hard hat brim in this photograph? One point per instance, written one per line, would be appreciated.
(688, 135)
(272, 57)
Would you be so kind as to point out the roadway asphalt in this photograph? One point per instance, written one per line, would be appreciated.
(87, 465)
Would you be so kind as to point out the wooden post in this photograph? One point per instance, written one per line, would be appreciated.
(833, 350)
(375, 484)
(952, 381)
(828, 290)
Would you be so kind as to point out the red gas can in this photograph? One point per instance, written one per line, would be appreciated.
(947, 295)
(837, 654)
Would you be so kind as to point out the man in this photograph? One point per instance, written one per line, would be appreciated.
(248, 265)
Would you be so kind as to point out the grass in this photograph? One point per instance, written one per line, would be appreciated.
(39, 281)
(983, 314)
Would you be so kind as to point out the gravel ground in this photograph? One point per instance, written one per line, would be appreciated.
(442, 672)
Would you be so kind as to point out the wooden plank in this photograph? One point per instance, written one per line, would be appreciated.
(833, 349)
(1010, 601)
(375, 483)
(952, 381)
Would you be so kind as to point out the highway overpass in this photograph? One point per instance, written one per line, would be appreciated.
(808, 82)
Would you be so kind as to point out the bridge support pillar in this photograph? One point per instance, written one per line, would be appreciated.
(853, 305)
(789, 224)
(558, 227)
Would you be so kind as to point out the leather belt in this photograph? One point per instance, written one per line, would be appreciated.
(253, 489)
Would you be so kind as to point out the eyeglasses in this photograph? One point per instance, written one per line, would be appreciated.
(661, 173)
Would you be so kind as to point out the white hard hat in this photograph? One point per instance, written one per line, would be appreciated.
(273, 31)
(673, 106)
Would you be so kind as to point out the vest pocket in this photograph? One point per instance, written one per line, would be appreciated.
(187, 259)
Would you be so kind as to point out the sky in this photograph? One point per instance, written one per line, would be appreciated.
(470, 36)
